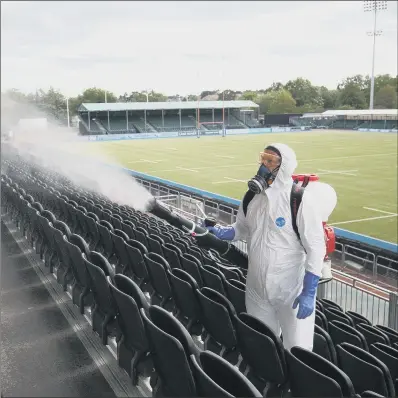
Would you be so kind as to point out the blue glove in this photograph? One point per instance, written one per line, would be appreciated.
(224, 233)
(306, 300)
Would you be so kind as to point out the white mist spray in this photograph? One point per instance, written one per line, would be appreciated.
(55, 148)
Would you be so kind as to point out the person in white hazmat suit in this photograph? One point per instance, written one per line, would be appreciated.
(283, 273)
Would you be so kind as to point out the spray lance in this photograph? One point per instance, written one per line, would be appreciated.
(204, 237)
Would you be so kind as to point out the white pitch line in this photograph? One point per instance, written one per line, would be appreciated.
(229, 180)
(183, 168)
(381, 211)
(144, 161)
(234, 179)
(173, 149)
(363, 219)
(227, 157)
(342, 172)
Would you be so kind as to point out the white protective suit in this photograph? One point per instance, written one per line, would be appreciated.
(277, 259)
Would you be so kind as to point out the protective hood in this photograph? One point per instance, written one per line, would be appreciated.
(325, 197)
(287, 167)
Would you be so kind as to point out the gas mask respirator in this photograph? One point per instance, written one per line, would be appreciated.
(266, 174)
(262, 180)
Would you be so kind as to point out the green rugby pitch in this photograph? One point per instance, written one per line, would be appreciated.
(362, 167)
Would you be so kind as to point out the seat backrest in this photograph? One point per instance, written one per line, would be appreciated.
(100, 288)
(365, 370)
(181, 244)
(358, 318)
(154, 244)
(128, 227)
(78, 241)
(372, 334)
(343, 333)
(213, 278)
(184, 293)
(129, 287)
(136, 251)
(330, 304)
(218, 314)
(321, 320)
(192, 265)
(106, 224)
(141, 235)
(388, 355)
(236, 294)
(130, 320)
(252, 336)
(172, 254)
(170, 361)
(333, 314)
(323, 345)
(215, 377)
(157, 268)
(100, 261)
(122, 234)
(230, 272)
(77, 263)
(196, 252)
(391, 333)
(172, 326)
(116, 220)
(313, 376)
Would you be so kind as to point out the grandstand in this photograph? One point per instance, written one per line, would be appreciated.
(380, 119)
(159, 315)
(157, 117)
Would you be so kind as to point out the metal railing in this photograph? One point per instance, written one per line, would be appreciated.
(354, 294)
(353, 289)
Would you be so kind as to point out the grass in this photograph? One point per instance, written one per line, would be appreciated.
(362, 167)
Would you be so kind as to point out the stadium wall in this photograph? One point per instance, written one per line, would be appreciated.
(343, 233)
(174, 134)
(378, 131)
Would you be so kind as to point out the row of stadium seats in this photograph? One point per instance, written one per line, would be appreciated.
(344, 123)
(378, 124)
(176, 310)
(159, 124)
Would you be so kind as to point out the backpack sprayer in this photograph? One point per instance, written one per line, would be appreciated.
(326, 203)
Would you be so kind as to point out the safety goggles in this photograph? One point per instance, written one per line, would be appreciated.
(271, 161)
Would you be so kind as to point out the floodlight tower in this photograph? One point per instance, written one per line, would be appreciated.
(374, 6)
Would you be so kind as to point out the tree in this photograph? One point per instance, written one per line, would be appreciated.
(156, 97)
(280, 101)
(358, 81)
(249, 95)
(274, 87)
(136, 96)
(229, 95)
(352, 96)
(96, 95)
(329, 97)
(386, 98)
(304, 93)
(205, 93)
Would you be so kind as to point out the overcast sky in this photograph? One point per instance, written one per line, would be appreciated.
(186, 47)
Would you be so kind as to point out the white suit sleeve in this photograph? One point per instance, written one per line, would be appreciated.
(240, 225)
(309, 224)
